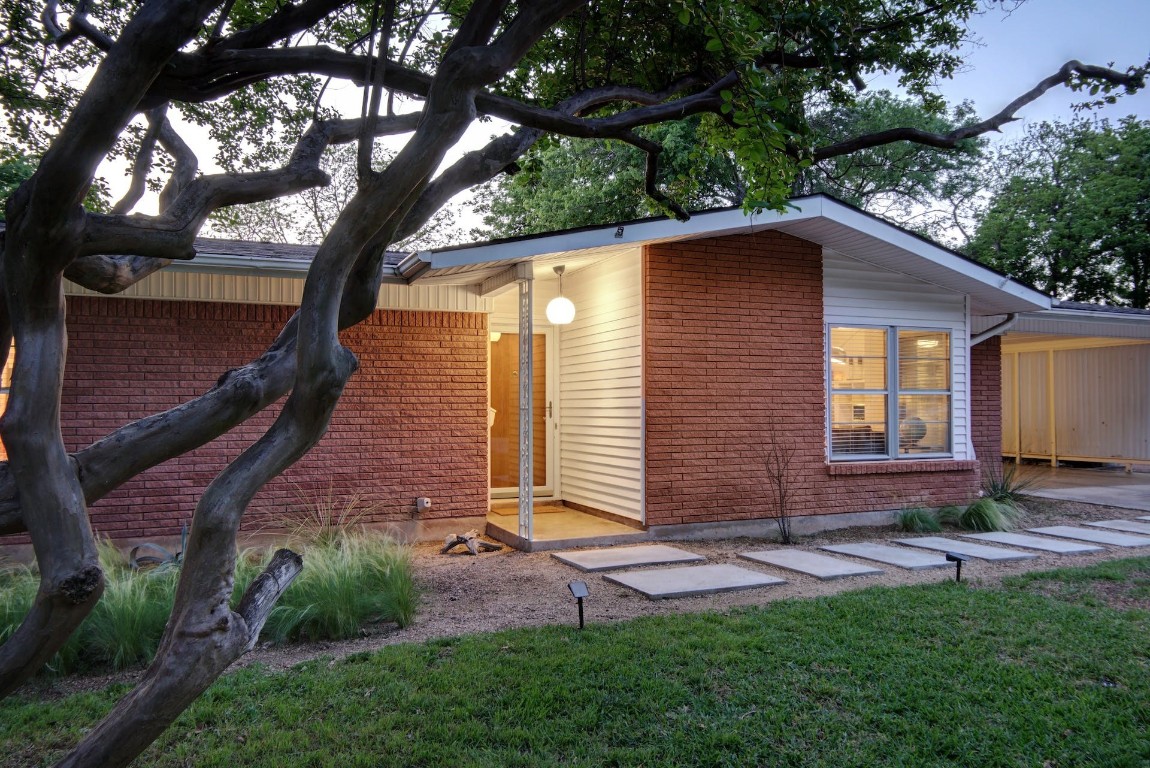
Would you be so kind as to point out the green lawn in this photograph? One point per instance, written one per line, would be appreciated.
(1038, 673)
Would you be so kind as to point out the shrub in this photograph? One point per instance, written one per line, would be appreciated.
(1006, 485)
(917, 520)
(986, 514)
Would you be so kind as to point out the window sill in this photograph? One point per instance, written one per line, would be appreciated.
(900, 467)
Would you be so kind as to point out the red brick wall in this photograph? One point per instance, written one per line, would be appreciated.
(986, 401)
(412, 421)
(733, 351)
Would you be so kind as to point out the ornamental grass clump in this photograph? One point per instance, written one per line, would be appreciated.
(917, 520)
(347, 583)
(986, 515)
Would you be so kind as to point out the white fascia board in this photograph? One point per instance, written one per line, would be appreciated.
(715, 224)
(1055, 314)
(899, 238)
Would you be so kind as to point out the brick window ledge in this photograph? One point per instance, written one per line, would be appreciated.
(900, 467)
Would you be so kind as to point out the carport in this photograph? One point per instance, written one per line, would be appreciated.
(1076, 385)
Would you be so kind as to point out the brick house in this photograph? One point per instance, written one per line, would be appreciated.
(695, 346)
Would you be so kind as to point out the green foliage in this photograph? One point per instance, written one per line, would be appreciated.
(986, 514)
(932, 675)
(1071, 212)
(567, 183)
(573, 183)
(917, 520)
(346, 583)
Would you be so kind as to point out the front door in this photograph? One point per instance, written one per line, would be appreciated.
(505, 424)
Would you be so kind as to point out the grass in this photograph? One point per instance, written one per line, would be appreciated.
(936, 675)
(917, 520)
(347, 583)
(986, 514)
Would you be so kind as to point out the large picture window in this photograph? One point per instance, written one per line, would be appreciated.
(890, 392)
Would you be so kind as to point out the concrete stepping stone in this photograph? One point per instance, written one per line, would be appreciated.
(1095, 535)
(610, 558)
(981, 551)
(811, 563)
(1057, 546)
(1129, 526)
(691, 580)
(883, 553)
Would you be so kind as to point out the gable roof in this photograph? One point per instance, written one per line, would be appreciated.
(819, 219)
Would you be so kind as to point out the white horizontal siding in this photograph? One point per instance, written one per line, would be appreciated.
(258, 289)
(858, 293)
(601, 388)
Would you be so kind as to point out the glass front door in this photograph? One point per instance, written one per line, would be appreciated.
(504, 359)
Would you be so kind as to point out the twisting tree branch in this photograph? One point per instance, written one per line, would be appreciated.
(1064, 76)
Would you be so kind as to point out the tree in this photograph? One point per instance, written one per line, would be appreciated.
(914, 185)
(253, 72)
(1070, 213)
(308, 216)
(566, 183)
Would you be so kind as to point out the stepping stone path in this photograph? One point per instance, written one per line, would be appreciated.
(810, 563)
(1057, 546)
(882, 553)
(611, 558)
(1095, 535)
(1129, 526)
(662, 583)
(980, 551)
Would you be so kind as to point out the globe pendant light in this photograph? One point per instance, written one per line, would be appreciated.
(560, 310)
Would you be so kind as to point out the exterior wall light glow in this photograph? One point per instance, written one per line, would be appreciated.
(560, 310)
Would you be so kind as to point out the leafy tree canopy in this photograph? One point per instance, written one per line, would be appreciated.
(566, 183)
(1070, 212)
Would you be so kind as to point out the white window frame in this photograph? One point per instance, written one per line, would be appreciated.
(891, 393)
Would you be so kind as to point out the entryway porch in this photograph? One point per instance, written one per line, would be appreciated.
(557, 526)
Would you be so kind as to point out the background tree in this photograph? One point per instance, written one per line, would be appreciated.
(1070, 211)
(253, 74)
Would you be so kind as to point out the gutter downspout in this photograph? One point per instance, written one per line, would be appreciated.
(995, 330)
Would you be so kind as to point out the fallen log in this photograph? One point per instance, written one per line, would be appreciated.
(471, 540)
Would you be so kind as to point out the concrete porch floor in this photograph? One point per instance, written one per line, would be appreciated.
(559, 527)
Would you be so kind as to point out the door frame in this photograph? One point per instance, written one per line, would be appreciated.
(550, 488)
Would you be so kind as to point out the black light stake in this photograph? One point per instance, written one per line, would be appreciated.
(579, 591)
(958, 560)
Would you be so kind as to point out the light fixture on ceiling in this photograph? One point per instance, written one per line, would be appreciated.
(560, 310)
(927, 343)
(495, 336)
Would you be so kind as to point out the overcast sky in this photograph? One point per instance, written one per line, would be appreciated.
(1035, 40)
